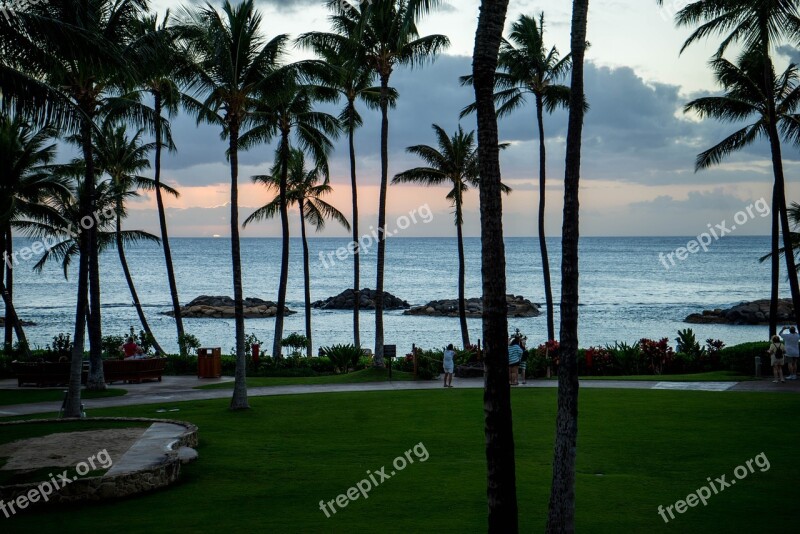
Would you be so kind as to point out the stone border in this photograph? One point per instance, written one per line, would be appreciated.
(114, 487)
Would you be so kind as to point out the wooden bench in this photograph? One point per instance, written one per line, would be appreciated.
(133, 370)
(43, 374)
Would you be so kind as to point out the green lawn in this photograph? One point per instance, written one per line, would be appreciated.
(711, 376)
(25, 396)
(356, 377)
(265, 470)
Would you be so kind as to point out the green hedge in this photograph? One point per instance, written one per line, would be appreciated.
(741, 358)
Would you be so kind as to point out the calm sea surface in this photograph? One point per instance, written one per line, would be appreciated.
(626, 293)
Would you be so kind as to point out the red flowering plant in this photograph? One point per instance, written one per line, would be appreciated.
(657, 354)
(599, 361)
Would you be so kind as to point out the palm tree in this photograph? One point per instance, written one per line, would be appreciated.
(122, 158)
(287, 111)
(387, 30)
(233, 64)
(455, 162)
(303, 189)
(530, 68)
(501, 485)
(82, 48)
(162, 66)
(758, 26)
(26, 186)
(344, 70)
(561, 514)
(746, 96)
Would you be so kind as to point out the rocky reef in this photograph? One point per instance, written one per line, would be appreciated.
(756, 312)
(518, 306)
(346, 300)
(222, 308)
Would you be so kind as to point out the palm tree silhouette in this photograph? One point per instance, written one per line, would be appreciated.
(455, 163)
(305, 190)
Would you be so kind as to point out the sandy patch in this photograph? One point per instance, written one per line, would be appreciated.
(67, 449)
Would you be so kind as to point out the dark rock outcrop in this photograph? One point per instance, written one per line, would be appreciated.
(756, 312)
(223, 308)
(517, 307)
(346, 300)
(24, 323)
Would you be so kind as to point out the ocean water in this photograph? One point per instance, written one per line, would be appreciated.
(626, 292)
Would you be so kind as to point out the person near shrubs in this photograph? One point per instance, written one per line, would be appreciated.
(514, 357)
(777, 350)
(792, 342)
(449, 363)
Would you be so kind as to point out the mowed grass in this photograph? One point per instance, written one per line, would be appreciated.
(356, 377)
(9, 397)
(266, 469)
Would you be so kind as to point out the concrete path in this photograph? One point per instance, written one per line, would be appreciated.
(150, 450)
(180, 388)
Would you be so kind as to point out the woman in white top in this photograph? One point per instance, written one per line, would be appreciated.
(449, 362)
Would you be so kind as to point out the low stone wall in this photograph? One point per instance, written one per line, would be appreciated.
(113, 487)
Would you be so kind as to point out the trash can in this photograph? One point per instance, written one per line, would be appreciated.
(209, 362)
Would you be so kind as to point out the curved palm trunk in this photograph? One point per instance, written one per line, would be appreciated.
(774, 263)
(13, 323)
(96, 380)
(284, 277)
(548, 289)
(306, 280)
(501, 491)
(561, 514)
(129, 279)
(356, 255)
(239, 399)
(462, 305)
(379, 340)
(8, 248)
(162, 221)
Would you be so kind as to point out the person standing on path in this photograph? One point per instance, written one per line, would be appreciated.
(792, 343)
(776, 353)
(449, 363)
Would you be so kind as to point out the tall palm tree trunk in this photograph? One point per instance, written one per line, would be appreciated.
(162, 221)
(8, 248)
(96, 380)
(775, 262)
(356, 253)
(129, 279)
(13, 321)
(561, 516)
(379, 340)
(307, 281)
(462, 305)
(501, 487)
(239, 399)
(284, 276)
(548, 289)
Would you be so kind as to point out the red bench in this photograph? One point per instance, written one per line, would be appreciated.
(47, 374)
(133, 370)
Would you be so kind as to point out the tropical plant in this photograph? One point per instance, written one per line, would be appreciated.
(387, 31)
(561, 513)
(26, 186)
(758, 27)
(287, 112)
(527, 67)
(233, 65)
(454, 163)
(501, 491)
(343, 357)
(342, 68)
(304, 190)
(163, 66)
(296, 341)
(687, 343)
(748, 96)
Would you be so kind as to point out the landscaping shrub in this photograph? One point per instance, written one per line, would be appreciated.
(741, 358)
(343, 357)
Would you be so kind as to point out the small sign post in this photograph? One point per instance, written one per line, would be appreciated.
(389, 352)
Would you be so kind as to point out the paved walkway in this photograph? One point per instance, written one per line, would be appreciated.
(180, 388)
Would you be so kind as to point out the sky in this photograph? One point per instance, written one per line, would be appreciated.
(638, 148)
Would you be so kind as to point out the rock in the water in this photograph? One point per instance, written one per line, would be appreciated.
(517, 307)
(223, 308)
(756, 312)
(24, 323)
(366, 301)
